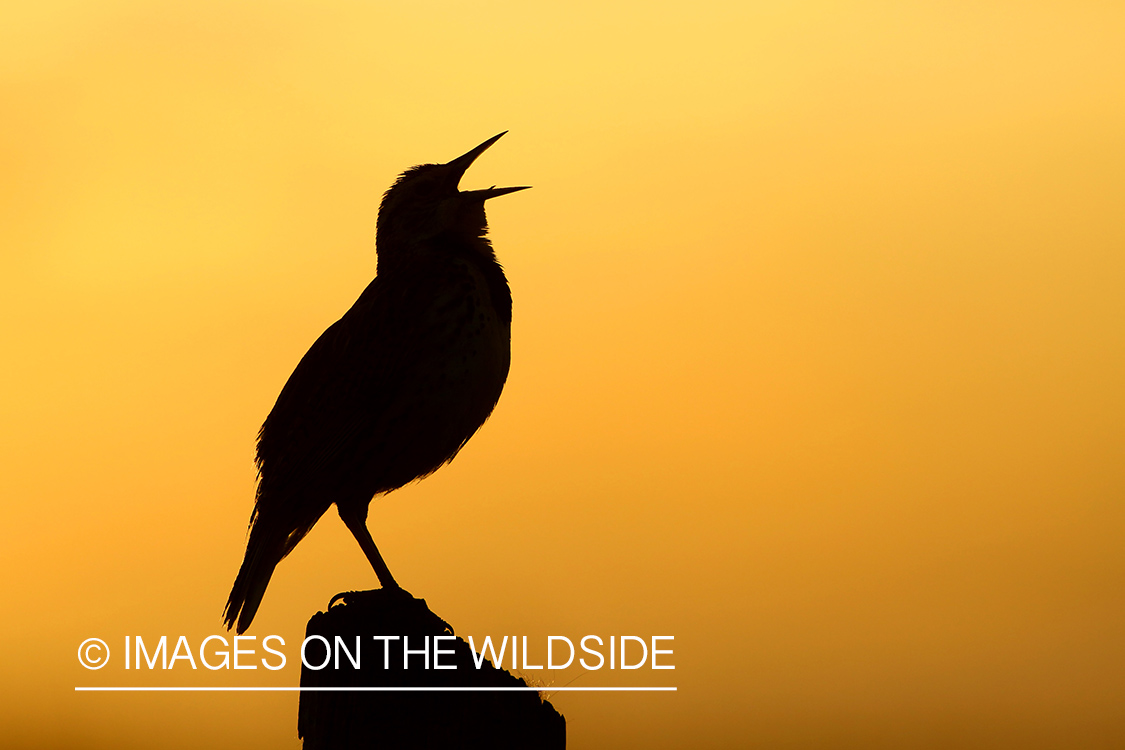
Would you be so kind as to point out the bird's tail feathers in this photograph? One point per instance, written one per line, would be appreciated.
(263, 552)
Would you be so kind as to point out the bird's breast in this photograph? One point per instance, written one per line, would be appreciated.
(450, 367)
(473, 341)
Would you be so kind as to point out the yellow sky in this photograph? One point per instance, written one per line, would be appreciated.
(818, 352)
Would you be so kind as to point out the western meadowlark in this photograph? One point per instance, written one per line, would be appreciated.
(393, 389)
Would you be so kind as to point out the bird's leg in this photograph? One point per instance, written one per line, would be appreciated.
(356, 521)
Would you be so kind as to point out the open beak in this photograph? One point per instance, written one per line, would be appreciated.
(459, 165)
(492, 192)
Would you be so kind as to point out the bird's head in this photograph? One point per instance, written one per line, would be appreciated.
(425, 202)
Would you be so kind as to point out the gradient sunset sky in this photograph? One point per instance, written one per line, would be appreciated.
(818, 353)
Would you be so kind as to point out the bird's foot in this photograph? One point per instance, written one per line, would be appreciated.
(396, 593)
(389, 599)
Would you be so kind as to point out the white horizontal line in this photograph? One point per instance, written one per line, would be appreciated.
(293, 689)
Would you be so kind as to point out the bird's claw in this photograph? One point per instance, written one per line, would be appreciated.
(390, 591)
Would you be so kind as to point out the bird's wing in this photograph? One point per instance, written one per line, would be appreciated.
(329, 396)
(352, 383)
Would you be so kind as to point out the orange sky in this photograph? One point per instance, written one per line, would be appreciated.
(818, 353)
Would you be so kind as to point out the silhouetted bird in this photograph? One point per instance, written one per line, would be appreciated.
(393, 389)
